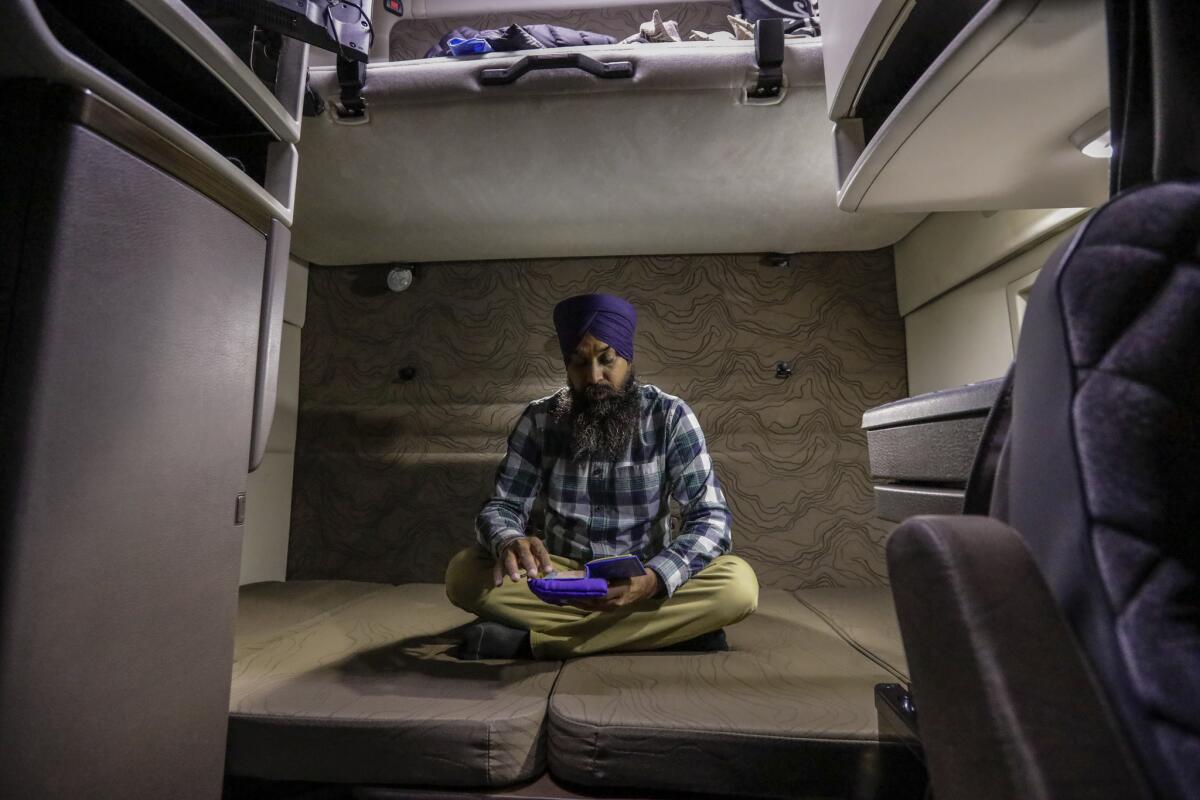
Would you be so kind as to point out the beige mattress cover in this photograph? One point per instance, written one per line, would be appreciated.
(866, 618)
(789, 710)
(345, 681)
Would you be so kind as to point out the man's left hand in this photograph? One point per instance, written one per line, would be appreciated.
(624, 592)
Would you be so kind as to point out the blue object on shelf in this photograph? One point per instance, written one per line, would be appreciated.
(468, 47)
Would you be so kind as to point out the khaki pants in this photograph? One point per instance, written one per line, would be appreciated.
(724, 592)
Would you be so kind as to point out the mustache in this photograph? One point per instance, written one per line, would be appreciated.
(599, 391)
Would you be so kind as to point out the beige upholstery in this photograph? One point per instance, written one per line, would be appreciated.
(270, 610)
(340, 681)
(865, 618)
(788, 712)
(349, 682)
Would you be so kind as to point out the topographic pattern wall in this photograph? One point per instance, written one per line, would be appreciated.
(391, 471)
(411, 38)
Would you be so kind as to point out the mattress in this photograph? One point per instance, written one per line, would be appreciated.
(865, 618)
(350, 682)
(788, 711)
(338, 681)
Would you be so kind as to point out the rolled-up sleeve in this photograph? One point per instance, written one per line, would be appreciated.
(504, 515)
(706, 531)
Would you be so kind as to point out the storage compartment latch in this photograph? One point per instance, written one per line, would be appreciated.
(351, 108)
(768, 56)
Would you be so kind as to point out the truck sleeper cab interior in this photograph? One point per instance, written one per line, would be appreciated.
(270, 305)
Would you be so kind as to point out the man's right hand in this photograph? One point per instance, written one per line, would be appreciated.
(528, 553)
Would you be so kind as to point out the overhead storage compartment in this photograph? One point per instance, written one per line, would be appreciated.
(164, 68)
(678, 158)
(997, 118)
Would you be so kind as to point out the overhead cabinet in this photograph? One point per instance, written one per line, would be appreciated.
(967, 106)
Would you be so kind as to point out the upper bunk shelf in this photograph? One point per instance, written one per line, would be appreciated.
(996, 120)
(424, 22)
(676, 159)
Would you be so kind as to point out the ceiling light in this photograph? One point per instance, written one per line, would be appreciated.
(1093, 138)
(399, 278)
(1100, 147)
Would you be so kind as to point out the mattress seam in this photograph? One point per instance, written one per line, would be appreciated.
(596, 728)
(850, 640)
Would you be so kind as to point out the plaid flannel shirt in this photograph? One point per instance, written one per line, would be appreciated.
(597, 508)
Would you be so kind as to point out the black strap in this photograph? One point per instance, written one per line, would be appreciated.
(352, 75)
(768, 55)
(982, 483)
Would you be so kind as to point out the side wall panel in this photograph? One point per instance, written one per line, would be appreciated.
(128, 380)
(269, 488)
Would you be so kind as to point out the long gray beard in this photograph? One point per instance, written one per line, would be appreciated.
(602, 422)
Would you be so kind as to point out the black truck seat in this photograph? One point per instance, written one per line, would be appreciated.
(1090, 544)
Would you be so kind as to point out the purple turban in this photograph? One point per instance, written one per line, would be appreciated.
(609, 319)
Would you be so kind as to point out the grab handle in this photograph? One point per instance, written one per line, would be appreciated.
(499, 76)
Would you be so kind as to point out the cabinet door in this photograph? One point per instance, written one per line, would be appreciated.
(125, 405)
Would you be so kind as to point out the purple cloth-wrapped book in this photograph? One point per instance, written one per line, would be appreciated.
(560, 591)
(599, 572)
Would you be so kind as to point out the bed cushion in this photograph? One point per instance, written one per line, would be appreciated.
(865, 617)
(788, 712)
(339, 681)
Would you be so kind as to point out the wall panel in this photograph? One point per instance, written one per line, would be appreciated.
(390, 472)
(967, 335)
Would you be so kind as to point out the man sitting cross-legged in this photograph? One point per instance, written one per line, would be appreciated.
(606, 453)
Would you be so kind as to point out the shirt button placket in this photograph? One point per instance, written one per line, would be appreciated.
(598, 473)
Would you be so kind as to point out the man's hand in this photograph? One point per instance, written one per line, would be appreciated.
(624, 592)
(527, 553)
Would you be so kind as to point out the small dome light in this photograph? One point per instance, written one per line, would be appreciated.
(1100, 147)
(399, 278)
(1094, 137)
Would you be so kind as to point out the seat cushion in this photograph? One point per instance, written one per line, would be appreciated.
(341, 681)
(865, 617)
(788, 711)
(1098, 473)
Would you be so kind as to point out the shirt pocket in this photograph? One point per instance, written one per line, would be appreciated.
(639, 485)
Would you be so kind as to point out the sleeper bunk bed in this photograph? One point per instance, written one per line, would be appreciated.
(351, 682)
